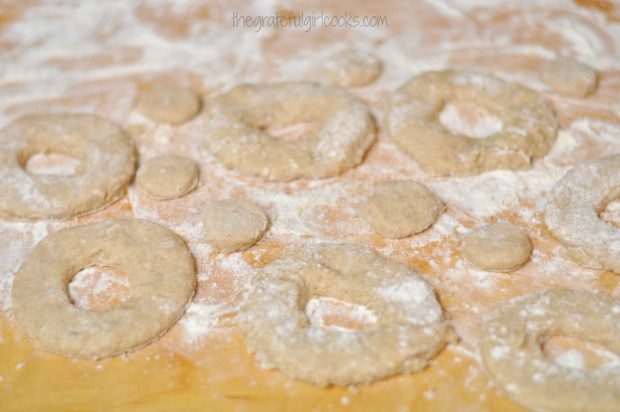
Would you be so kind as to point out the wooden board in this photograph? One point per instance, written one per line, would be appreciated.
(97, 56)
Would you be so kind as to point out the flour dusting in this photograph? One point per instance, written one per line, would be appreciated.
(83, 57)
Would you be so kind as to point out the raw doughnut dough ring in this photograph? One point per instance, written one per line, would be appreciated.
(168, 176)
(410, 331)
(162, 283)
(572, 213)
(511, 350)
(107, 165)
(528, 131)
(342, 130)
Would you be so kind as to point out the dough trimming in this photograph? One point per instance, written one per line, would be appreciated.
(168, 103)
(168, 176)
(500, 247)
(232, 225)
(401, 208)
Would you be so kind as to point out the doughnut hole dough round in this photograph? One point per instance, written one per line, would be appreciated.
(511, 350)
(573, 208)
(500, 247)
(352, 68)
(232, 225)
(409, 332)
(168, 103)
(401, 208)
(237, 123)
(168, 176)
(568, 77)
(528, 123)
(162, 284)
(106, 166)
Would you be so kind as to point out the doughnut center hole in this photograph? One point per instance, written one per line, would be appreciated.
(288, 133)
(331, 313)
(579, 354)
(469, 119)
(611, 214)
(52, 164)
(99, 288)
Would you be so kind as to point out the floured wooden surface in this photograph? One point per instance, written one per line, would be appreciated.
(84, 57)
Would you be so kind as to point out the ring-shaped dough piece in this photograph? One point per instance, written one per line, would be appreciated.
(168, 176)
(340, 126)
(573, 208)
(106, 166)
(511, 350)
(159, 268)
(528, 123)
(409, 332)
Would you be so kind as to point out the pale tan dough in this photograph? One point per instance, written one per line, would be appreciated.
(353, 67)
(159, 268)
(573, 208)
(168, 103)
(500, 247)
(238, 124)
(168, 176)
(232, 225)
(568, 77)
(528, 123)
(401, 208)
(511, 350)
(409, 332)
(106, 166)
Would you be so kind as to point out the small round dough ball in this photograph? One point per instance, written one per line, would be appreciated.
(401, 208)
(168, 103)
(234, 224)
(352, 67)
(569, 77)
(168, 176)
(500, 247)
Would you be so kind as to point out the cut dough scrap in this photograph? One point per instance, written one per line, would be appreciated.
(569, 77)
(106, 166)
(232, 225)
(409, 332)
(401, 208)
(168, 103)
(238, 124)
(352, 68)
(573, 208)
(511, 350)
(159, 268)
(168, 176)
(500, 247)
(528, 123)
